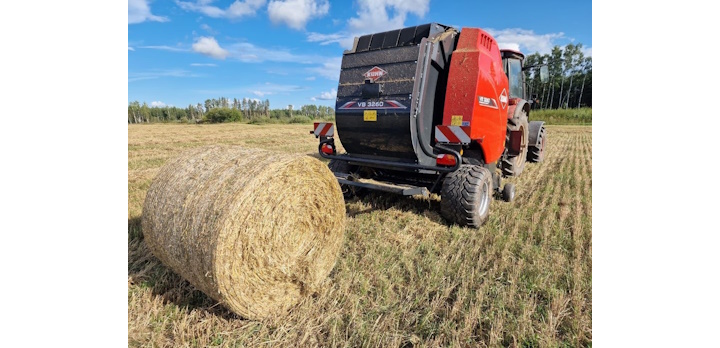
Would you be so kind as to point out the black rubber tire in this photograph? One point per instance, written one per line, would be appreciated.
(508, 192)
(466, 195)
(536, 154)
(339, 166)
(513, 165)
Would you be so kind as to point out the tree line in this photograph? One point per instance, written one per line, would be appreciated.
(570, 80)
(223, 110)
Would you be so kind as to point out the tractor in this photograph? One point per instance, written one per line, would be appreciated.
(431, 109)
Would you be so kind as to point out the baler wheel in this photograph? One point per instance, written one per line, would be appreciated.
(513, 165)
(466, 195)
(537, 153)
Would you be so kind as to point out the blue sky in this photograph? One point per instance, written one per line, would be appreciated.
(289, 51)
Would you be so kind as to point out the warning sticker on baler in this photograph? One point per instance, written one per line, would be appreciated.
(456, 120)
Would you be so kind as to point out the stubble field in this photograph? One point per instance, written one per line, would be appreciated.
(404, 277)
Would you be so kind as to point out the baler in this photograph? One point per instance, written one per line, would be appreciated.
(430, 109)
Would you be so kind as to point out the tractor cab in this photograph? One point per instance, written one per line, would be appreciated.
(513, 65)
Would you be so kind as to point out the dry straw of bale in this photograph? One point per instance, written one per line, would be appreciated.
(255, 230)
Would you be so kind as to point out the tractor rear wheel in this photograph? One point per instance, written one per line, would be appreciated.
(537, 153)
(513, 164)
(466, 195)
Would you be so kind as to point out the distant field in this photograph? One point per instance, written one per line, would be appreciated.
(582, 116)
(404, 278)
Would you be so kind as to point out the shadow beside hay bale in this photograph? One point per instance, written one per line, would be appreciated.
(146, 271)
(378, 200)
(316, 155)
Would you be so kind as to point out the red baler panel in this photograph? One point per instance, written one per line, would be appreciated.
(477, 91)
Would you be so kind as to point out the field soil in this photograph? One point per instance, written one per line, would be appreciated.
(404, 276)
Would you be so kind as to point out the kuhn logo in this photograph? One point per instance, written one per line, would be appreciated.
(503, 99)
(374, 74)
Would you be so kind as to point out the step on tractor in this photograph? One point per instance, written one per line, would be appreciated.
(431, 109)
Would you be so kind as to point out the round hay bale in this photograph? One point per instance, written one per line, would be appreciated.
(253, 229)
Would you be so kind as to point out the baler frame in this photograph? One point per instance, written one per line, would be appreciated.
(407, 190)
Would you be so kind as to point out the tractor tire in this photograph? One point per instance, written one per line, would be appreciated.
(343, 167)
(513, 165)
(466, 195)
(536, 154)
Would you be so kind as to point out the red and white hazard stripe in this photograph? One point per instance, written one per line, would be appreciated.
(452, 134)
(324, 129)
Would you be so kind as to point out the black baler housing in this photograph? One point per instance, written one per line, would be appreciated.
(408, 97)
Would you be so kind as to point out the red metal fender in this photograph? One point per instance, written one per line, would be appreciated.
(477, 92)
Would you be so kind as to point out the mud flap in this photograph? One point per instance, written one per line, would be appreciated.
(535, 127)
(516, 142)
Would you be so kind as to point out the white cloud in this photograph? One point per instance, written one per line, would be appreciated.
(344, 38)
(327, 95)
(330, 68)
(311, 78)
(154, 74)
(509, 46)
(165, 48)
(139, 11)
(271, 88)
(259, 90)
(313, 98)
(373, 16)
(157, 104)
(296, 13)
(203, 64)
(249, 53)
(208, 29)
(130, 48)
(525, 40)
(587, 51)
(237, 9)
(209, 47)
